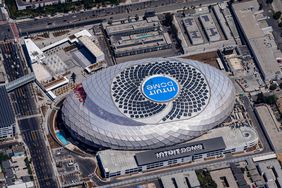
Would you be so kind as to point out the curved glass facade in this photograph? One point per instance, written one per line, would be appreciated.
(149, 103)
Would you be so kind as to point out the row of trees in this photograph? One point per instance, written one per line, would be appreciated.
(277, 16)
(53, 9)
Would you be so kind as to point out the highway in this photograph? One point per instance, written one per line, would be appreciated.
(100, 15)
(24, 105)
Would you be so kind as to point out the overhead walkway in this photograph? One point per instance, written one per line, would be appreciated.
(20, 82)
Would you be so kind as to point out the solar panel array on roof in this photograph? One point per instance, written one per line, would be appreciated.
(118, 112)
(191, 100)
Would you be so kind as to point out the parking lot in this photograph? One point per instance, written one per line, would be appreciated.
(68, 169)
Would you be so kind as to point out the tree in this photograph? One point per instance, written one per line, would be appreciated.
(136, 17)
(260, 6)
(269, 1)
(280, 85)
(277, 15)
(270, 99)
(73, 77)
(168, 19)
(273, 86)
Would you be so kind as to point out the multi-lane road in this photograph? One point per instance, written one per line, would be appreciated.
(99, 15)
(33, 137)
(25, 108)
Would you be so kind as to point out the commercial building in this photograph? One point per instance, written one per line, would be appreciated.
(148, 104)
(193, 31)
(258, 38)
(270, 125)
(204, 29)
(141, 43)
(212, 145)
(48, 66)
(93, 49)
(131, 37)
(7, 116)
(131, 26)
(209, 27)
(187, 179)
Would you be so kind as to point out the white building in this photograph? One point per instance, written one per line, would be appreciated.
(121, 112)
(216, 143)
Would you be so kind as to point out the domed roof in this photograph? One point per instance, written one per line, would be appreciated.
(149, 103)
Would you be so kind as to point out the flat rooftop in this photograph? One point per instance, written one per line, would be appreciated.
(131, 43)
(271, 125)
(210, 27)
(114, 160)
(216, 139)
(233, 137)
(7, 116)
(187, 179)
(193, 30)
(91, 46)
(118, 27)
(218, 175)
(245, 13)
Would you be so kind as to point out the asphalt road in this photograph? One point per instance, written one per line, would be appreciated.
(15, 67)
(257, 125)
(33, 137)
(100, 15)
(5, 32)
(24, 105)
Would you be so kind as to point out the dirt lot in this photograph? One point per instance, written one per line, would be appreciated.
(209, 58)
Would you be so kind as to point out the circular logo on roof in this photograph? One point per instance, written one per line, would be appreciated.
(160, 88)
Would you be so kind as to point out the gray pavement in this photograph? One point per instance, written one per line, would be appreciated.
(100, 15)
(24, 105)
(257, 125)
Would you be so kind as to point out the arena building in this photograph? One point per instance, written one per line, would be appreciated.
(148, 104)
(215, 144)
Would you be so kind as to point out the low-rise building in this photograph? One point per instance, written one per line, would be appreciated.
(258, 38)
(7, 116)
(187, 179)
(212, 145)
(209, 27)
(131, 37)
(193, 31)
(270, 125)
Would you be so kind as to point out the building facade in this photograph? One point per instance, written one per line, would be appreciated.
(148, 104)
(214, 144)
(7, 116)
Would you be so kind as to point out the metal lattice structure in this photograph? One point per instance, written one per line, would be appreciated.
(118, 114)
